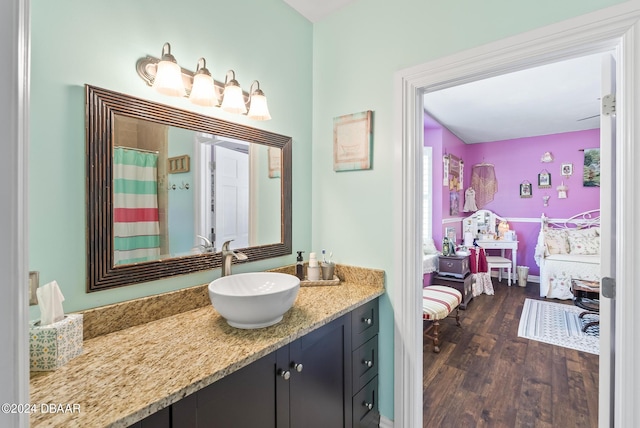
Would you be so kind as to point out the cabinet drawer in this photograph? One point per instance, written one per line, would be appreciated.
(365, 363)
(457, 266)
(364, 323)
(365, 406)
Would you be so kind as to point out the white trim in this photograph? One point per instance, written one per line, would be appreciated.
(452, 220)
(385, 423)
(590, 33)
(14, 213)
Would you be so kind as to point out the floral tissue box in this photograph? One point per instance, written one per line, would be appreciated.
(52, 346)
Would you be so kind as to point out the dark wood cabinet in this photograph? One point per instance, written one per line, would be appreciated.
(327, 378)
(463, 285)
(455, 266)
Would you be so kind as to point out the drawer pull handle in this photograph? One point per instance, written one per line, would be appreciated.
(367, 363)
(367, 405)
(367, 321)
(284, 374)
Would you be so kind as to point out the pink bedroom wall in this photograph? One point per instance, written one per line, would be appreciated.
(442, 142)
(515, 161)
(518, 160)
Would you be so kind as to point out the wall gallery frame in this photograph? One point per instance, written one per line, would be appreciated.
(567, 169)
(544, 180)
(525, 189)
(353, 141)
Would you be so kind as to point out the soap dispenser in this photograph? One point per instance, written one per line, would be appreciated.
(299, 266)
(313, 271)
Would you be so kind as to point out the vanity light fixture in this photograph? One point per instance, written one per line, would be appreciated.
(258, 108)
(203, 91)
(232, 98)
(168, 78)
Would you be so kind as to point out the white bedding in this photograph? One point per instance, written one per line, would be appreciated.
(429, 263)
(557, 270)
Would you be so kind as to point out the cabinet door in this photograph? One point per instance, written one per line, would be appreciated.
(319, 393)
(245, 398)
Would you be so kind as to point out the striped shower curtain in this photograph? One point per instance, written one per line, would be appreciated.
(135, 206)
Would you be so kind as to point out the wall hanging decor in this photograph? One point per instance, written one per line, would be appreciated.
(545, 200)
(546, 157)
(567, 170)
(445, 170)
(275, 162)
(454, 203)
(484, 182)
(591, 168)
(353, 141)
(562, 191)
(525, 189)
(454, 175)
(544, 179)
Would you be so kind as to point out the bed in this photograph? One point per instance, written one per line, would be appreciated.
(566, 250)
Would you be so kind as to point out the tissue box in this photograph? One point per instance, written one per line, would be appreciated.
(52, 346)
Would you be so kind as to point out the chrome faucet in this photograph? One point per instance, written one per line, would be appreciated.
(207, 247)
(227, 255)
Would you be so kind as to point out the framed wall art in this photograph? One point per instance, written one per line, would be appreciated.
(525, 189)
(544, 179)
(275, 161)
(591, 168)
(567, 169)
(353, 141)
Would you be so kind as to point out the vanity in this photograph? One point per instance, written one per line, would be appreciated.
(194, 365)
(171, 360)
(483, 226)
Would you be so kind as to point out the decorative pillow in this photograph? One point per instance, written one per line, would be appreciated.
(556, 241)
(590, 232)
(584, 244)
(560, 288)
(429, 247)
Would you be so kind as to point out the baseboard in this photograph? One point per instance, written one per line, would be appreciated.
(385, 423)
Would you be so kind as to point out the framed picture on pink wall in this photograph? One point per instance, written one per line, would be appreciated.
(544, 180)
(525, 189)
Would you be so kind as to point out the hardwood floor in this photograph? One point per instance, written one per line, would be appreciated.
(487, 376)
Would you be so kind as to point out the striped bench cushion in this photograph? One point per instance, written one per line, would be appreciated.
(438, 301)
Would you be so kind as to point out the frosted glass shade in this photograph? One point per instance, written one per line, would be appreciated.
(258, 110)
(233, 100)
(203, 92)
(168, 80)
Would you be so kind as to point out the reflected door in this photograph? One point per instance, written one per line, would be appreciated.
(231, 197)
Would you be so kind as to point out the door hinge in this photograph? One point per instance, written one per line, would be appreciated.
(609, 105)
(608, 287)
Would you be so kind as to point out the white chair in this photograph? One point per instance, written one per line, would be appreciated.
(497, 262)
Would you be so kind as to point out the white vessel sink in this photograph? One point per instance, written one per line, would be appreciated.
(254, 300)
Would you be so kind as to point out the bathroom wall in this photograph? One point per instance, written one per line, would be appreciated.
(96, 42)
(356, 53)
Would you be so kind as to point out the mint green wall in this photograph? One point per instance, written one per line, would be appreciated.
(180, 217)
(356, 52)
(98, 42)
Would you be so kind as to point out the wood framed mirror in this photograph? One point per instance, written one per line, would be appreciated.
(186, 235)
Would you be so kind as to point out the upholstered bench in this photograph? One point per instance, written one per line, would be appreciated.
(438, 302)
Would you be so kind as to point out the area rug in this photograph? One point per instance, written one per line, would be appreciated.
(558, 324)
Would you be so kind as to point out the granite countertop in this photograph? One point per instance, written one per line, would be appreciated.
(126, 375)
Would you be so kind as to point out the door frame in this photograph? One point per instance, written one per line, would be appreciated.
(616, 28)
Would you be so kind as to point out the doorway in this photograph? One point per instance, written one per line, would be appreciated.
(613, 28)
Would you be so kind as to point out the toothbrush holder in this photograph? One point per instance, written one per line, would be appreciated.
(328, 270)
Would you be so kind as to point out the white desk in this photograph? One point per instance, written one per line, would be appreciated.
(503, 245)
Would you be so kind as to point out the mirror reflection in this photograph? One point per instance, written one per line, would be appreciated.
(179, 192)
(166, 187)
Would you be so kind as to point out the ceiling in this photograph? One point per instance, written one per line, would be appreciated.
(315, 10)
(550, 99)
